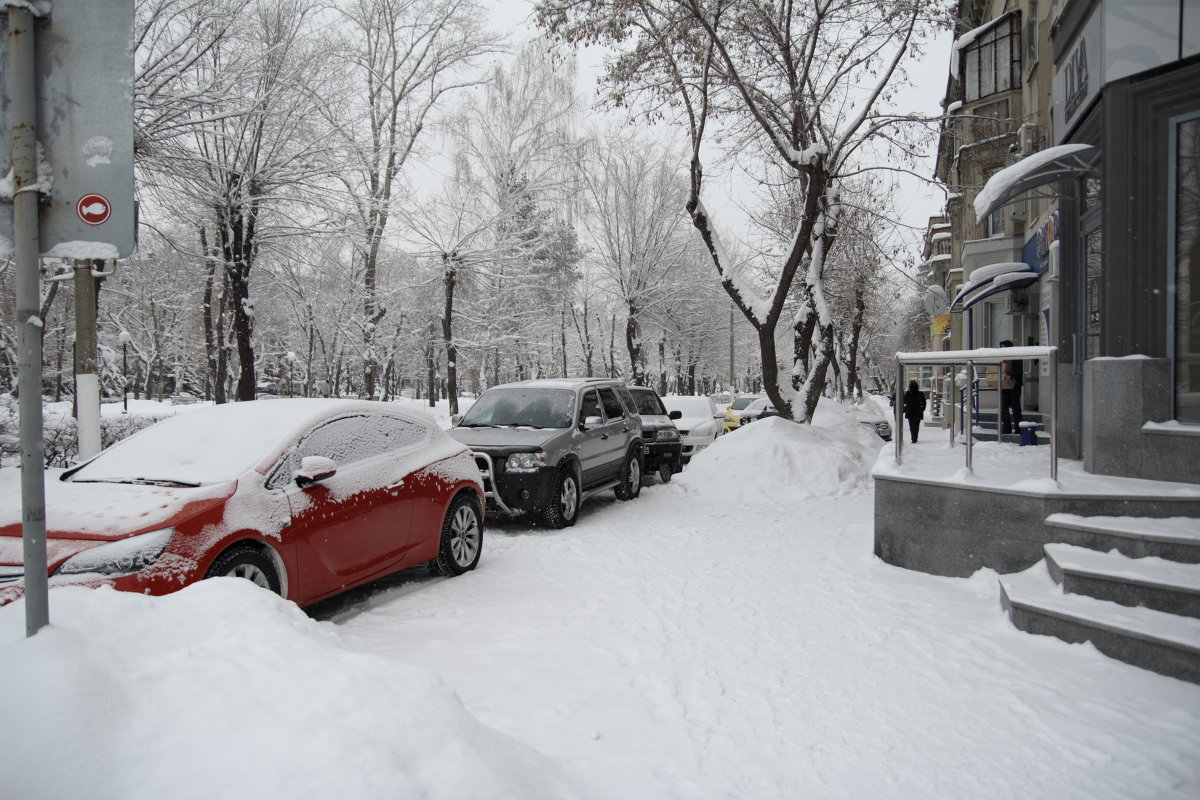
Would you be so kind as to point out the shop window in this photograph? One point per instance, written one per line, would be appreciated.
(1185, 204)
(992, 63)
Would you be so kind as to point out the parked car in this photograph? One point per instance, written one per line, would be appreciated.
(733, 411)
(759, 408)
(763, 408)
(662, 450)
(700, 422)
(307, 498)
(543, 445)
(876, 422)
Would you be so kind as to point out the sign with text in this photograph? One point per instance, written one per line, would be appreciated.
(84, 127)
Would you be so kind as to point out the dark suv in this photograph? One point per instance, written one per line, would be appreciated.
(663, 449)
(543, 445)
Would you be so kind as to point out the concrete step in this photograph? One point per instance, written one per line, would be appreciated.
(1172, 538)
(1151, 582)
(1155, 640)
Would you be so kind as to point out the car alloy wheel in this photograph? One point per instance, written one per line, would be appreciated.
(631, 481)
(564, 506)
(462, 537)
(246, 561)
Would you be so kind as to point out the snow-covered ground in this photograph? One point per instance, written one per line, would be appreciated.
(726, 635)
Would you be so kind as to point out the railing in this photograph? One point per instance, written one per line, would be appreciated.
(969, 358)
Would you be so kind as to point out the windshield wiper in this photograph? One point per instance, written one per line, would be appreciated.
(140, 481)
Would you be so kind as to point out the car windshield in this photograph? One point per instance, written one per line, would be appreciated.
(206, 445)
(522, 408)
(648, 404)
(690, 406)
(759, 405)
(742, 402)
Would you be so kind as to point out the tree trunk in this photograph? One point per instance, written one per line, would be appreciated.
(450, 263)
(633, 342)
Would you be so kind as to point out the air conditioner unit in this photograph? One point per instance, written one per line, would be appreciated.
(1027, 135)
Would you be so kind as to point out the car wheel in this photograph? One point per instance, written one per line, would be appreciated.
(246, 561)
(631, 481)
(462, 538)
(564, 506)
(664, 472)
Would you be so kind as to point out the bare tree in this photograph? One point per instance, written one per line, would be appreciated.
(799, 86)
(406, 57)
(634, 186)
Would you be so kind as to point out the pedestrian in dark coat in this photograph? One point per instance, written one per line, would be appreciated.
(1011, 379)
(914, 409)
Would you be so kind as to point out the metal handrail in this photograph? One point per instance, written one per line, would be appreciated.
(983, 355)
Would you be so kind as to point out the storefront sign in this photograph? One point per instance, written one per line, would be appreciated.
(1075, 85)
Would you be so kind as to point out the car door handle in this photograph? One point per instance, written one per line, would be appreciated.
(603, 436)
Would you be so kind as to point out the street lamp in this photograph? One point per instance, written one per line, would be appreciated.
(291, 359)
(124, 338)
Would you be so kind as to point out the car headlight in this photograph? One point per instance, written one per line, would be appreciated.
(667, 435)
(525, 462)
(123, 557)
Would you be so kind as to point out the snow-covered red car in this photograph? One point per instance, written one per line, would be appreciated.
(307, 498)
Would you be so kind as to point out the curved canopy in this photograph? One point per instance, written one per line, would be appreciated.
(1048, 166)
(994, 278)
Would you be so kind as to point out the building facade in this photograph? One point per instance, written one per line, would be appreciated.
(1092, 248)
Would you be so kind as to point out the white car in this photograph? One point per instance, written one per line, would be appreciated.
(700, 424)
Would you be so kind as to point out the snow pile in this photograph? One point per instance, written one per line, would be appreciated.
(224, 690)
(774, 460)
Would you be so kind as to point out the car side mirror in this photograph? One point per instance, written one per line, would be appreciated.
(314, 469)
(591, 423)
(675, 415)
(457, 418)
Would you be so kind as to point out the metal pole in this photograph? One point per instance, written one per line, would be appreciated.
(732, 370)
(898, 433)
(23, 108)
(87, 381)
(950, 399)
(969, 428)
(1054, 416)
(125, 376)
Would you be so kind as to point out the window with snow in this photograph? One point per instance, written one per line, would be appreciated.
(992, 62)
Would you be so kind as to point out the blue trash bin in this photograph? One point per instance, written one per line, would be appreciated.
(1028, 435)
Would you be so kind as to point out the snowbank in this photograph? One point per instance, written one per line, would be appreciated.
(772, 460)
(224, 690)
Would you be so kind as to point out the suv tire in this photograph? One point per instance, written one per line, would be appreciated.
(631, 478)
(564, 502)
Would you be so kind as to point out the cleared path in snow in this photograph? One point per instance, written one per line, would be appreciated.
(724, 638)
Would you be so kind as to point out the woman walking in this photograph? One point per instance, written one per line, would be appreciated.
(914, 409)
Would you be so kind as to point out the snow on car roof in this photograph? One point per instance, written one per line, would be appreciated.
(220, 442)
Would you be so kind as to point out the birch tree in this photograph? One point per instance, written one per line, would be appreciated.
(406, 58)
(801, 87)
(634, 186)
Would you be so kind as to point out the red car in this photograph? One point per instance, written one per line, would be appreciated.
(307, 498)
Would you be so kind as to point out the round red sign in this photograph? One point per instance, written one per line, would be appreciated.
(94, 209)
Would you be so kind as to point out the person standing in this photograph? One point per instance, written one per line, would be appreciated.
(1011, 379)
(914, 409)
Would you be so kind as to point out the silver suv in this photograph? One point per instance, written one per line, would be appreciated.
(542, 446)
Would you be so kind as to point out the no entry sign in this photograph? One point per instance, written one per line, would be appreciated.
(94, 209)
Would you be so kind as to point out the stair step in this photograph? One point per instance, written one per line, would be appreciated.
(1173, 538)
(1155, 640)
(1151, 581)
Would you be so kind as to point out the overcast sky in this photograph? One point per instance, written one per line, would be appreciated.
(919, 200)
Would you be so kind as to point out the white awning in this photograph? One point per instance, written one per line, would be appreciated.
(1048, 166)
(992, 279)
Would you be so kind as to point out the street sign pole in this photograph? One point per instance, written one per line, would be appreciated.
(23, 114)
